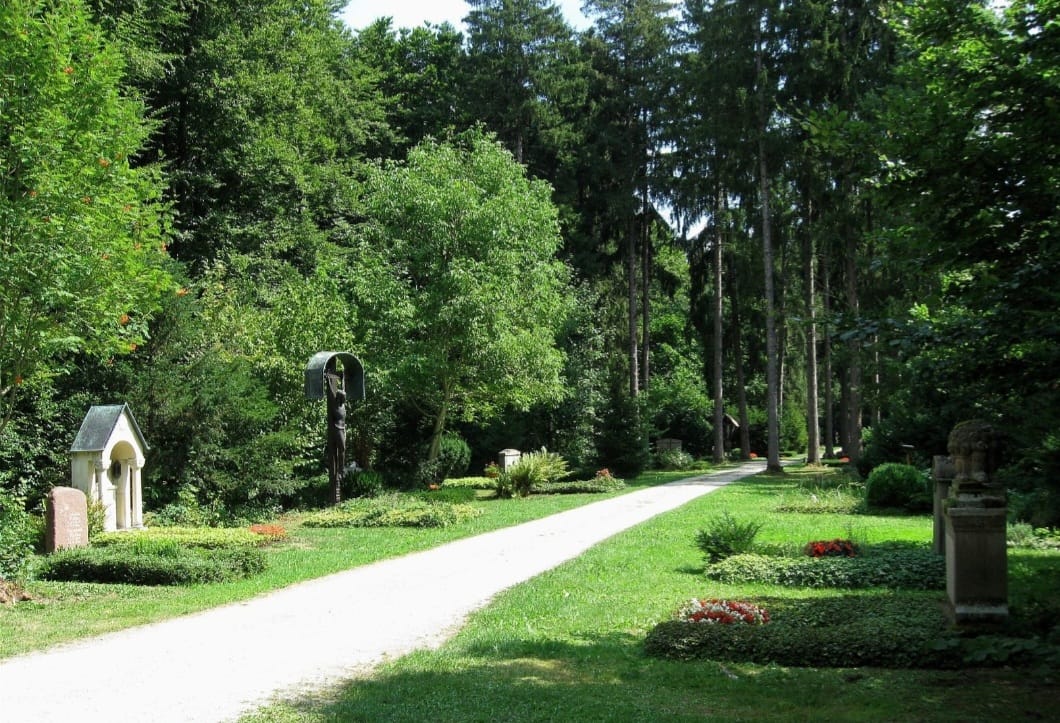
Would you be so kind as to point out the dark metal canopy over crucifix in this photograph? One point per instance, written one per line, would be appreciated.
(338, 377)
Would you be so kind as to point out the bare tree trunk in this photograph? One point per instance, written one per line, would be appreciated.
(737, 352)
(772, 380)
(719, 397)
(645, 337)
(852, 420)
(813, 439)
(631, 273)
(829, 401)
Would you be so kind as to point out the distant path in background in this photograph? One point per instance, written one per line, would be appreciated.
(221, 663)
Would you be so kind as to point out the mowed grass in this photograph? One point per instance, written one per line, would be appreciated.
(568, 645)
(63, 611)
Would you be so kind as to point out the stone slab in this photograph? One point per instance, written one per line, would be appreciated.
(65, 519)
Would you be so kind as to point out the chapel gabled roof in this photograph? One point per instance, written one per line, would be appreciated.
(99, 424)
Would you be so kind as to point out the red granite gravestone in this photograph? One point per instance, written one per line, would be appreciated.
(65, 519)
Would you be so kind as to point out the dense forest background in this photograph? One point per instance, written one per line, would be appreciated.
(835, 221)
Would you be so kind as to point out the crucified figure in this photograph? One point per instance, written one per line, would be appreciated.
(336, 452)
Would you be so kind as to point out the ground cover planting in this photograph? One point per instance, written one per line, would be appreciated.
(574, 643)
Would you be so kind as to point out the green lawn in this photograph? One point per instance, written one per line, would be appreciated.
(568, 645)
(63, 611)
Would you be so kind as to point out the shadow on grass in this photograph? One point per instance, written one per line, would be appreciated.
(609, 678)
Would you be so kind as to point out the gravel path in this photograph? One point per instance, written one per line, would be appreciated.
(220, 663)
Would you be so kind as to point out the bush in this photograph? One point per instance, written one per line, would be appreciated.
(454, 456)
(158, 562)
(894, 485)
(362, 483)
(623, 441)
(725, 536)
(674, 459)
(16, 537)
(910, 569)
(393, 510)
(533, 470)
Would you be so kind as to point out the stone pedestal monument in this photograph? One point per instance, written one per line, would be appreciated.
(976, 553)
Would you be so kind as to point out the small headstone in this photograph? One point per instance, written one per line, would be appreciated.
(65, 519)
(507, 458)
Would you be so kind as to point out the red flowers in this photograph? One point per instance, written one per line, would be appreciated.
(271, 532)
(831, 548)
(722, 612)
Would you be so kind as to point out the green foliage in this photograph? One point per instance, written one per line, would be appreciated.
(533, 470)
(456, 282)
(16, 537)
(205, 538)
(624, 446)
(97, 518)
(597, 485)
(674, 459)
(393, 510)
(362, 483)
(844, 632)
(475, 483)
(83, 226)
(910, 569)
(158, 562)
(453, 459)
(725, 536)
(896, 485)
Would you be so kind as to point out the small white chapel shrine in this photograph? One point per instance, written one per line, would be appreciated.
(106, 460)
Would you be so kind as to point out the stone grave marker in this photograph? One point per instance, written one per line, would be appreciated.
(65, 519)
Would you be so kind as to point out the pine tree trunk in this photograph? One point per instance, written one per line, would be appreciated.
(772, 377)
(852, 418)
(645, 338)
(719, 397)
(813, 441)
(829, 401)
(631, 273)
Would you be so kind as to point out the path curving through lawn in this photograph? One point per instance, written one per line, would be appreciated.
(221, 663)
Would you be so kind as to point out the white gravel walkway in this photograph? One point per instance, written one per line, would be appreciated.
(221, 663)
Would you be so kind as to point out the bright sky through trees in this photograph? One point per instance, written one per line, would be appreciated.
(413, 13)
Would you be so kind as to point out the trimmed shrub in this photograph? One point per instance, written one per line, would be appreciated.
(849, 631)
(910, 569)
(475, 483)
(392, 510)
(203, 538)
(725, 536)
(894, 485)
(160, 562)
(597, 485)
(17, 535)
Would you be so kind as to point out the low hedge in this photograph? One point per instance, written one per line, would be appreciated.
(847, 631)
(392, 511)
(598, 485)
(204, 538)
(475, 483)
(172, 565)
(897, 631)
(899, 568)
